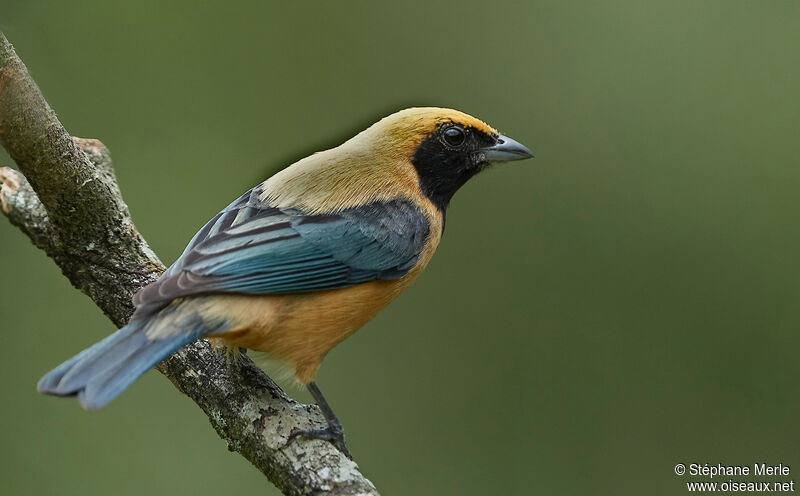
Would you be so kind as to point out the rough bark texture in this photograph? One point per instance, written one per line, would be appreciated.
(68, 203)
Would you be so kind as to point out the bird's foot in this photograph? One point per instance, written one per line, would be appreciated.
(332, 433)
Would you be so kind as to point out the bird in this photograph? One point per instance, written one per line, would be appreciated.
(303, 260)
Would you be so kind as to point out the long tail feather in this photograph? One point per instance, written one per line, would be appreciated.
(99, 374)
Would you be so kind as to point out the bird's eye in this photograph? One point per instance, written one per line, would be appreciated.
(454, 136)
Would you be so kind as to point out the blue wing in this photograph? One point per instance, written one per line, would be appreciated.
(254, 248)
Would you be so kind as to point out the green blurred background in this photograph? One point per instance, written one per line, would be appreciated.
(625, 302)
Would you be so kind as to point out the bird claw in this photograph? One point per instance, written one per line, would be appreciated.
(333, 435)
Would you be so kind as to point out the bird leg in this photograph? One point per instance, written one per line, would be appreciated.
(334, 433)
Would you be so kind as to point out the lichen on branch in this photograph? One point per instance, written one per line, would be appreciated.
(66, 200)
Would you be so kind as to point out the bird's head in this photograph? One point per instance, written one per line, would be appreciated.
(432, 151)
(445, 146)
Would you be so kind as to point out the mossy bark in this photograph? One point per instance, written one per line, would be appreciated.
(67, 201)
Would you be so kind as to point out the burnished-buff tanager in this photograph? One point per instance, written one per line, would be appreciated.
(303, 260)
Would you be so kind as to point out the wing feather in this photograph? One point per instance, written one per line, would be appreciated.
(251, 247)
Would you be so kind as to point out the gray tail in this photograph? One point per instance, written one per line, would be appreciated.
(99, 374)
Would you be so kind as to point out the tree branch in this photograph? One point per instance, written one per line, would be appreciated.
(68, 203)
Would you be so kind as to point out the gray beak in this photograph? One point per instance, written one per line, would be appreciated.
(506, 150)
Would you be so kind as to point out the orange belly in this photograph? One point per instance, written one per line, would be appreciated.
(302, 328)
